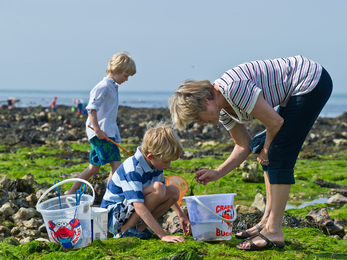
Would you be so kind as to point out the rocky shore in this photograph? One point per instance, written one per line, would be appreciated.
(33, 126)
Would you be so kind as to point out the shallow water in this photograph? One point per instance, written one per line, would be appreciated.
(313, 202)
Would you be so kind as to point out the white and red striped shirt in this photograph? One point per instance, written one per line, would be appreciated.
(276, 80)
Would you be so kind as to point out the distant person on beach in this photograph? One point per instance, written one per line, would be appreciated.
(53, 105)
(299, 86)
(137, 195)
(79, 106)
(102, 116)
(11, 101)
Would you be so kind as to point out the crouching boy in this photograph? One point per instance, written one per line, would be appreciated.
(137, 195)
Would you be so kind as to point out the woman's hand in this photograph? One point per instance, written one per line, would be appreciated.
(205, 176)
(262, 158)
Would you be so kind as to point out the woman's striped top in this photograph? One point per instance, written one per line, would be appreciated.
(276, 80)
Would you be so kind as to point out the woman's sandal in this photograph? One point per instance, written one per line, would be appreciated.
(245, 235)
(254, 247)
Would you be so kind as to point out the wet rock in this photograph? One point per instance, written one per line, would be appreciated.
(5, 183)
(337, 199)
(342, 192)
(326, 184)
(15, 231)
(332, 226)
(4, 231)
(42, 228)
(171, 223)
(26, 240)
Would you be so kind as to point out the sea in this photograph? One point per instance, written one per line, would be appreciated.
(336, 105)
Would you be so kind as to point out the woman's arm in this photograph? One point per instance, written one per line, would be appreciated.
(240, 152)
(272, 121)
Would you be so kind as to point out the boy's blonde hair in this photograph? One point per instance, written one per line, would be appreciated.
(188, 101)
(121, 63)
(162, 142)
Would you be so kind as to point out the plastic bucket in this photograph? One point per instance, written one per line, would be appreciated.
(99, 223)
(70, 224)
(211, 216)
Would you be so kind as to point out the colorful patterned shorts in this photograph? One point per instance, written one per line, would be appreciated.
(103, 151)
(119, 214)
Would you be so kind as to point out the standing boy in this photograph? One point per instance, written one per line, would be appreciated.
(102, 116)
(136, 194)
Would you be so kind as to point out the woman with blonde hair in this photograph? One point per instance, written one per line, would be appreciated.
(299, 86)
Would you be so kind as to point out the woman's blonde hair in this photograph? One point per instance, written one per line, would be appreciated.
(121, 63)
(188, 101)
(162, 142)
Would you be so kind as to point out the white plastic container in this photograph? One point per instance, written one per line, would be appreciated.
(211, 216)
(67, 224)
(99, 223)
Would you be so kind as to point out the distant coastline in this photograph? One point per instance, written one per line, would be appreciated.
(337, 104)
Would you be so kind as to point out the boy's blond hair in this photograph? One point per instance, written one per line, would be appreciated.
(188, 101)
(121, 63)
(162, 142)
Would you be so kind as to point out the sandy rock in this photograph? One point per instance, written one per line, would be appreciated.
(249, 172)
(7, 209)
(337, 199)
(31, 224)
(24, 214)
(259, 202)
(241, 209)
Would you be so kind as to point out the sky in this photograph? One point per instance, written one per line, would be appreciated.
(66, 44)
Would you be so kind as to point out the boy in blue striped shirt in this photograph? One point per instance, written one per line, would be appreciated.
(137, 195)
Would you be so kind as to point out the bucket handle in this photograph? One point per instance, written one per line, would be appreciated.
(65, 181)
(214, 214)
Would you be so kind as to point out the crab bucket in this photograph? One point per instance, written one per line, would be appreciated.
(67, 224)
(211, 216)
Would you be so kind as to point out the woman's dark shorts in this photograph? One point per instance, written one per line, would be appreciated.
(299, 116)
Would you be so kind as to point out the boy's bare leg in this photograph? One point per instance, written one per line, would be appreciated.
(158, 199)
(114, 166)
(85, 175)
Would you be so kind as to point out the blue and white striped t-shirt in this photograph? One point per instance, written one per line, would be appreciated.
(276, 80)
(131, 177)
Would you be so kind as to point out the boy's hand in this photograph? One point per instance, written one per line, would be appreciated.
(173, 239)
(185, 223)
(101, 134)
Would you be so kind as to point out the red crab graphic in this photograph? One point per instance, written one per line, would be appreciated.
(64, 235)
(227, 214)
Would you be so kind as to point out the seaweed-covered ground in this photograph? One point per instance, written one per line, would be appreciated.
(51, 147)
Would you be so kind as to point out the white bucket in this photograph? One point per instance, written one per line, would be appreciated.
(211, 216)
(99, 223)
(70, 224)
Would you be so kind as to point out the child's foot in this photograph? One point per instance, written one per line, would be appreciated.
(148, 233)
(132, 232)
